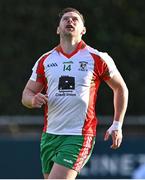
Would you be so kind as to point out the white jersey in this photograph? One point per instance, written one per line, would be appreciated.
(71, 83)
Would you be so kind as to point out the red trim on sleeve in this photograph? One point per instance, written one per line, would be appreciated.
(101, 67)
(40, 70)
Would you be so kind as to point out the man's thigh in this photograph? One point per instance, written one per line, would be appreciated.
(61, 172)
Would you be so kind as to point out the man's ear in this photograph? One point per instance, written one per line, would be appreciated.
(57, 30)
(83, 31)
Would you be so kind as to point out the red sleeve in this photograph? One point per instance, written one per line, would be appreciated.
(101, 68)
(40, 70)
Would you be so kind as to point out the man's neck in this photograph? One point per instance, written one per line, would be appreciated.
(68, 46)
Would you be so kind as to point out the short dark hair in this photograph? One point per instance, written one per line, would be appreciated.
(70, 9)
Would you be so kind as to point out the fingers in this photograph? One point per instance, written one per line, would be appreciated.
(116, 139)
(39, 99)
(106, 137)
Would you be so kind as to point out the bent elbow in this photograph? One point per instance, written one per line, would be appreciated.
(22, 100)
(126, 91)
(122, 90)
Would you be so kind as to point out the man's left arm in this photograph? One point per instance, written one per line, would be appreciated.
(120, 91)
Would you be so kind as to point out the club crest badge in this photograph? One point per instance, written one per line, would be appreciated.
(83, 66)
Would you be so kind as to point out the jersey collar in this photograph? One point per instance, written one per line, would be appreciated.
(80, 46)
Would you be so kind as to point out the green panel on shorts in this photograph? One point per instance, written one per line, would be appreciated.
(62, 149)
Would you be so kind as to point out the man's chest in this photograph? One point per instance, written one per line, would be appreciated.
(79, 68)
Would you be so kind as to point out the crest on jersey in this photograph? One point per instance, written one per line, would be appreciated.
(83, 66)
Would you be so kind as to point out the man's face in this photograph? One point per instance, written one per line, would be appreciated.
(71, 24)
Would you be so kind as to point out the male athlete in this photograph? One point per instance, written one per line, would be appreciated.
(69, 77)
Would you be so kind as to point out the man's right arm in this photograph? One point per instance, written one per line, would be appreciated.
(32, 96)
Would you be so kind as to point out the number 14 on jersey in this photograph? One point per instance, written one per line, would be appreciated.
(67, 67)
